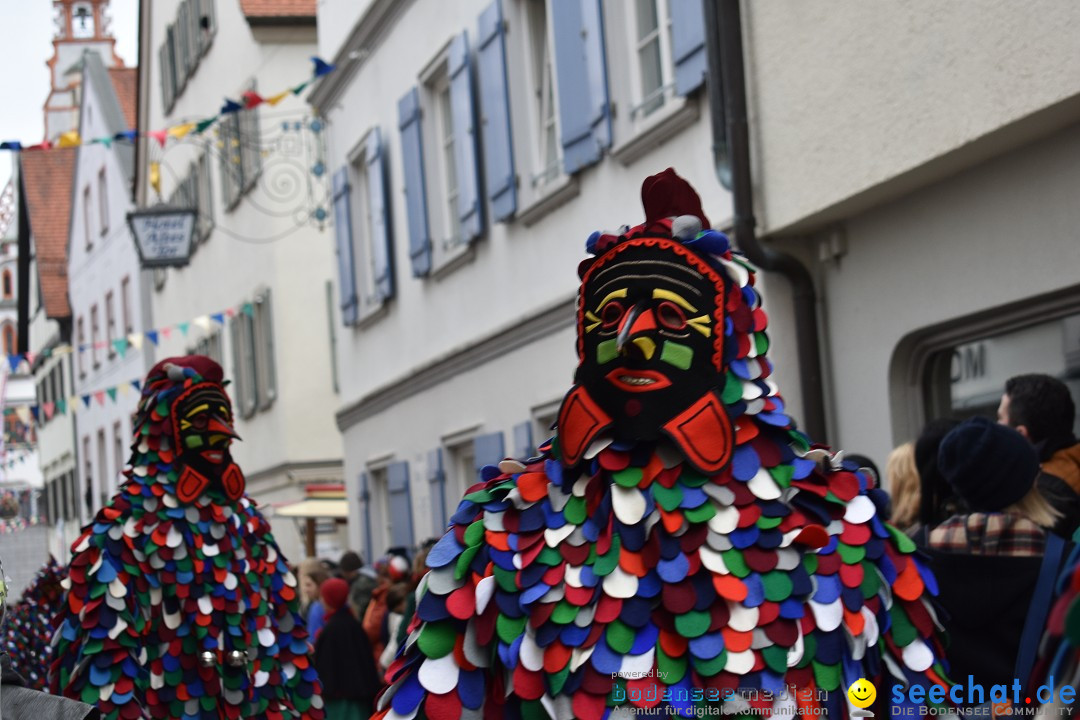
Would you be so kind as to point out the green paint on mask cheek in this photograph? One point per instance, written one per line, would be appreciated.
(678, 355)
(607, 351)
(193, 441)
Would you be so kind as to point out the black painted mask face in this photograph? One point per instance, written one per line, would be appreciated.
(648, 324)
(203, 429)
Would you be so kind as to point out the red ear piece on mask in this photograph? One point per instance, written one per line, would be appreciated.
(580, 420)
(190, 485)
(233, 480)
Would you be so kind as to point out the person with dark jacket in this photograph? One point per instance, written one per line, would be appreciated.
(992, 470)
(343, 658)
(1040, 407)
(361, 582)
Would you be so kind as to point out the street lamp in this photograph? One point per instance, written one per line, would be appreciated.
(163, 235)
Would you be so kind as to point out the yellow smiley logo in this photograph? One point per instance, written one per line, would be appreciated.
(862, 693)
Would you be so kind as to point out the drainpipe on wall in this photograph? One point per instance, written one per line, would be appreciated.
(731, 151)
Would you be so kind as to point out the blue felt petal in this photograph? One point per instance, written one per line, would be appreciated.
(674, 570)
(707, 646)
(745, 463)
(444, 552)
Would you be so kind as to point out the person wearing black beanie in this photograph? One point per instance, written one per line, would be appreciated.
(988, 559)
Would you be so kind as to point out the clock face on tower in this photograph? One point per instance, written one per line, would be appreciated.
(82, 20)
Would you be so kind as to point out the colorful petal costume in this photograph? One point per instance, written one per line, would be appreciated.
(678, 541)
(180, 604)
(28, 629)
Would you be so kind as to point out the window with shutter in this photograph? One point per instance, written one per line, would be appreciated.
(263, 327)
(581, 82)
(372, 241)
(495, 113)
(343, 230)
(412, 161)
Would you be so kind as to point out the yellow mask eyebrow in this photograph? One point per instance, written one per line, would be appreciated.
(198, 409)
(611, 296)
(592, 320)
(702, 324)
(661, 294)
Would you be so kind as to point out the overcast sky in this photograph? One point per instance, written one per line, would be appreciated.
(26, 34)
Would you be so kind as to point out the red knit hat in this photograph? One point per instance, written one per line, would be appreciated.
(335, 592)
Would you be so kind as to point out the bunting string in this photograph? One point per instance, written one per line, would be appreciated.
(248, 101)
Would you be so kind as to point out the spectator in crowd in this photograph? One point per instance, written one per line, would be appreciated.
(313, 574)
(419, 570)
(343, 658)
(395, 613)
(361, 582)
(937, 501)
(903, 485)
(992, 470)
(1041, 409)
(389, 570)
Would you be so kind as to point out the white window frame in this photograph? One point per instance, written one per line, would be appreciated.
(363, 232)
(110, 323)
(103, 201)
(125, 303)
(459, 464)
(443, 217)
(543, 111)
(86, 218)
(244, 364)
(95, 332)
(379, 506)
(263, 339)
(80, 333)
(661, 35)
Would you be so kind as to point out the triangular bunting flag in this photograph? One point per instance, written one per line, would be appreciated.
(322, 67)
(121, 345)
(128, 135)
(86, 400)
(300, 88)
(230, 312)
(111, 392)
(70, 139)
(219, 318)
(252, 99)
(136, 384)
(166, 332)
(159, 135)
(13, 362)
(99, 395)
(202, 321)
(248, 309)
(180, 131)
(275, 99)
(106, 141)
(152, 336)
(49, 408)
(34, 412)
(155, 177)
(61, 407)
(11, 145)
(183, 327)
(135, 340)
(203, 124)
(231, 106)
(124, 389)
(30, 357)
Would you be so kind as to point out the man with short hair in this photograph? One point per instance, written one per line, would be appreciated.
(351, 566)
(1040, 408)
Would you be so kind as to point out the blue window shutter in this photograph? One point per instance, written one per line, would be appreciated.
(343, 230)
(400, 502)
(495, 114)
(523, 440)
(436, 478)
(488, 450)
(581, 76)
(412, 158)
(382, 242)
(688, 44)
(365, 505)
(463, 110)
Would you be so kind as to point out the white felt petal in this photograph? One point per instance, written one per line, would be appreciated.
(718, 541)
(511, 467)
(266, 637)
(629, 504)
(439, 675)
(725, 520)
(795, 652)
(577, 657)
(620, 584)
(473, 652)
(531, 654)
(597, 445)
(206, 605)
(740, 663)
(743, 619)
(580, 486)
(553, 537)
(763, 486)
(572, 574)
(117, 588)
(828, 616)
(493, 521)
(787, 559)
(485, 589)
(712, 560)
(636, 666)
(860, 510)
(750, 391)
(918, 656)
(870, 626)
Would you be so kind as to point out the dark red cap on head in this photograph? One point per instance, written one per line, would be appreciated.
(207, 368)
(667, 195)
(335, 592)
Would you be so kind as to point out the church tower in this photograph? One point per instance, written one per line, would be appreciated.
(81, 26)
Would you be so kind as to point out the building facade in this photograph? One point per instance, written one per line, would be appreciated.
(921, 168)
(474, 146)
(254, 294)
(105, 282)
